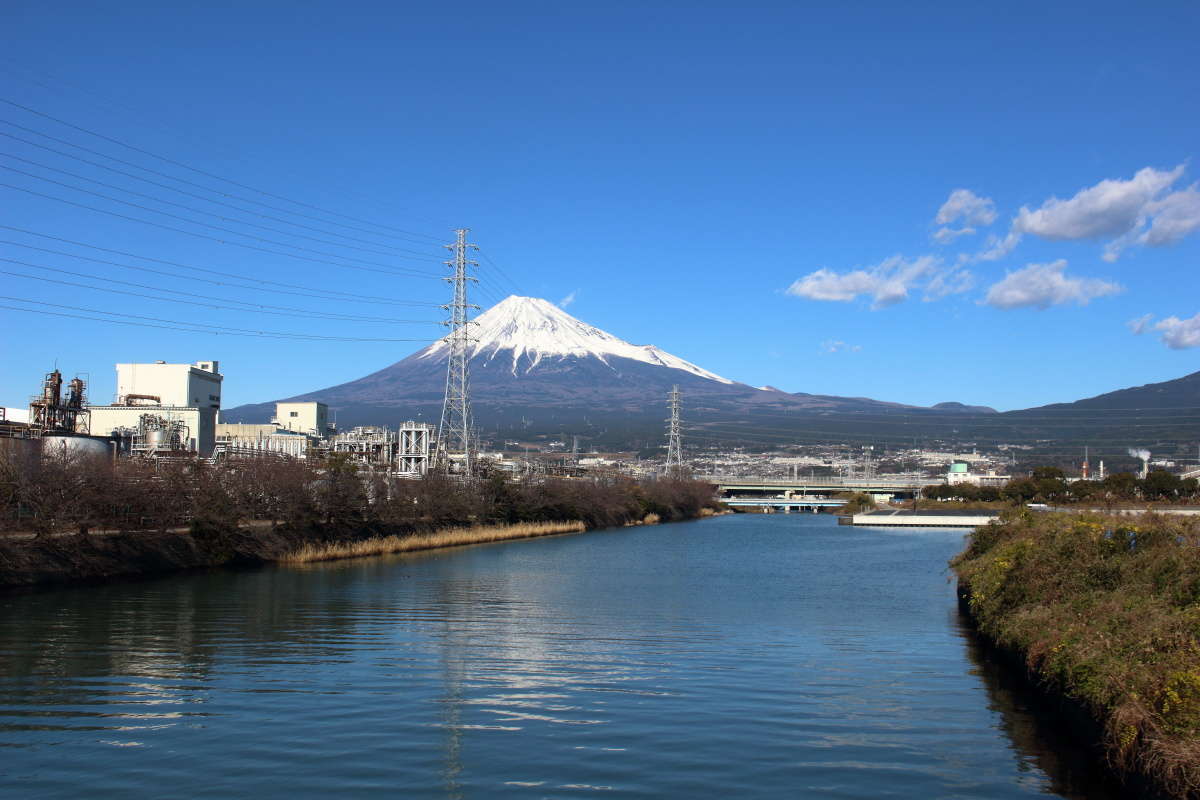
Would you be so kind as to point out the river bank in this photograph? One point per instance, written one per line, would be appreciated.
(29, 562)
(1103, 612)
(127, 521)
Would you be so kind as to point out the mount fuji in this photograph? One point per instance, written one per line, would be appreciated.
(533, 365)
(535, 369)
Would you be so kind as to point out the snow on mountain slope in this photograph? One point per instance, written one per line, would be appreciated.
(528, 329)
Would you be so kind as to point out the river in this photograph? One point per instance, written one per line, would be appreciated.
(741, 656)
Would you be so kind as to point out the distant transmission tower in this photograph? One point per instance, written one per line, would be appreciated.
(674, 447)
(454, 431)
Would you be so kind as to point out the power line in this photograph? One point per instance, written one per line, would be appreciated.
(182, 165)
(827, 435)
(388, 269)
(410, 254)
(500, 271)
(932, 417)
(186, 182)
(205, 236)
(1142, 422)
(322, 294)
(192, 327)
(105, 102)
(1063, 450)
(220, 304)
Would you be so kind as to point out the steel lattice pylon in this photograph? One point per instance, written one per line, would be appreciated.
(454, 430)
(674, 445)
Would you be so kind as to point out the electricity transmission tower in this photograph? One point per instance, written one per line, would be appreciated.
(454, 430)
(674, 447)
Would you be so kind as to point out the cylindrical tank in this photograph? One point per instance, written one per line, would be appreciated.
(18, 448)
(75, 446)
(156, 439)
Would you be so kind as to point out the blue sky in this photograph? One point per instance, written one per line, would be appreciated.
(755, 187)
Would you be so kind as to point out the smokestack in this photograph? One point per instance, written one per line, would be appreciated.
(1144, 455)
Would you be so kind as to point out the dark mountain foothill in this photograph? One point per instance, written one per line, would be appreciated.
(537, 369)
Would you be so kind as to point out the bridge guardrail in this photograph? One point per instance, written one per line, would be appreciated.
(845, 483)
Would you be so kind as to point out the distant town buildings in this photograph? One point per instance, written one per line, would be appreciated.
(960, 473)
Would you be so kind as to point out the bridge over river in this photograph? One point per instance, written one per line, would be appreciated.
(812, 493)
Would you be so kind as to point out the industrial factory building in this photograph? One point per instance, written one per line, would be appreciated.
(243, 440)
(163, 407)
(167, 411)
(294, 431)
(299, 429)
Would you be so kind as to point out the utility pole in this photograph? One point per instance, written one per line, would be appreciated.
(454, 430)
(674, 446)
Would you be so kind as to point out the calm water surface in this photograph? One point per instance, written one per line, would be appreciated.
(744, 656)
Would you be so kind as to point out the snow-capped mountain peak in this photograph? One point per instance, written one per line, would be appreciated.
(528, 329)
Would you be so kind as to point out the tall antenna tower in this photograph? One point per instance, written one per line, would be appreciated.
(674, 447)
(454, 430)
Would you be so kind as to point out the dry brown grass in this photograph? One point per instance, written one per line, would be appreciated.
(450, 537)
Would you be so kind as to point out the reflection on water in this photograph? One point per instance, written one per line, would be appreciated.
(741, 656)
(1044, 741)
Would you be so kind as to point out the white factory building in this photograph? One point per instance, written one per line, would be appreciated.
(183, 399)
(311, 418)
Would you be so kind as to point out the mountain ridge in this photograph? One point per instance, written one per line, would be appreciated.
(534, 366)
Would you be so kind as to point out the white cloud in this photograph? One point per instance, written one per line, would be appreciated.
(947, 283)
(886, 283)
(1110, 208)
(838, 346)
(964, 207)
(947, 235)
(825, 284)
(997, 248)
(1175, 216)
(566, 301)
(1129, 211)
(1046, 285)
(1180, 334)
(1140, 324)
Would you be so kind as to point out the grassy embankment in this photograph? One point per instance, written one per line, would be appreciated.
(451, 537)
(1106, 611)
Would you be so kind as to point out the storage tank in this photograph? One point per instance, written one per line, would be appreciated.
(156, 439)
(75, 446)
